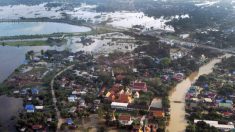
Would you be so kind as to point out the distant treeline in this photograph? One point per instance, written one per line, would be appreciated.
(26, 2)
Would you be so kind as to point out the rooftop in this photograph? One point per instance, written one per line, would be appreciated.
(69, 121)
(119, 104)
(124, 98)
(124, 117)
(29, 107)
(216, 124)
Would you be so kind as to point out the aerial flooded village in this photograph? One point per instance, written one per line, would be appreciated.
(94, 66)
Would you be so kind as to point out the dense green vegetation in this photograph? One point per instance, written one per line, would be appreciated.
(201, 127)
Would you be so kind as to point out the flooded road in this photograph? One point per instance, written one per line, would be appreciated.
(177, 121)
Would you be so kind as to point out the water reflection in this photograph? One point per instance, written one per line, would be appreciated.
(33, 28)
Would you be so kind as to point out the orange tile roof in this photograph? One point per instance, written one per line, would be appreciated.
(124, 98)
(158, 113)
(124, 117)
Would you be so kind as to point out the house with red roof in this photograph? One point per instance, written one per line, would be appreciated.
(37, 127)
(124, 98)
(139, 86)
(158, 113)
(125, 119)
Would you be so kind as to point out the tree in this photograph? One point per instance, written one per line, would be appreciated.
(148, 62)
(191, 128)
(202, 79)
(155, 82)
(165, 62)
(201, 126)
(29, 55)
(226, 90)
(42, 52)
(101, 129)
(165, 102)
(127, 80)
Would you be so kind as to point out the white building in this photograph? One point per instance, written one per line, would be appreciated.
(224, 127)
(72, 98)
(70, 58)
(39, 107)
(117, 105)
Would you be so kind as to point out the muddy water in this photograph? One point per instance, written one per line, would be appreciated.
(9, 108)
(178, 122)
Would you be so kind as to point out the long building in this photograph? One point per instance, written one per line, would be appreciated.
(224, 127)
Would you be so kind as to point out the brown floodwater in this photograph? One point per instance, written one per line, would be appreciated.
(177, 121)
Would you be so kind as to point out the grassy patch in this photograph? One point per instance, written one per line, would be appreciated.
(173, 37)
(26, 43)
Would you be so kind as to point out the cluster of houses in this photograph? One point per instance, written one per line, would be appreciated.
(77, 84)
(211, 93)
(32, 94)
(196, 97)
(33, 104)
(168, 75)
(123, 99)
(28, 75)
(32, 74)
(118, 95)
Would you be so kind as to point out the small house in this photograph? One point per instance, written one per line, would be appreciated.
(39, 107)
(23, 92)
(72, 98)
(125, 119)
(139, 86)
(37, 127)
(226, 105)
(36, 59)
(82, 103)
(69, 121)
(71, 58)
(229, 101)
(156, 103)
(72, 109)
(136, 95)
(29, 108)
(16, 92)
(96, 102)
(34, 91)
(158, 114)
(178, 76)
(208, 100)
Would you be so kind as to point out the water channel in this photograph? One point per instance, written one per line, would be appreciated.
(178, 122)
